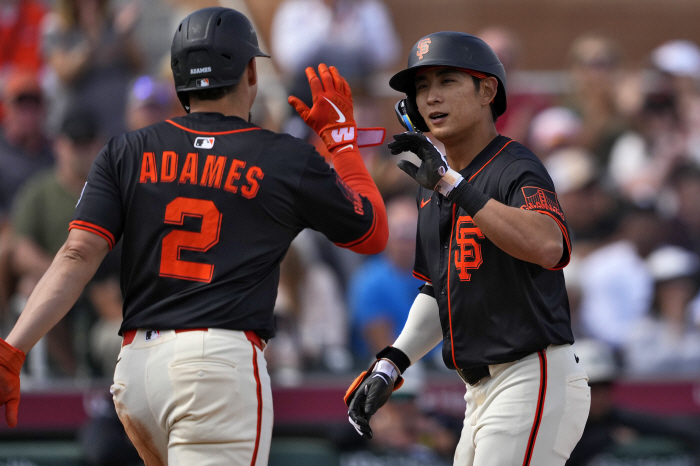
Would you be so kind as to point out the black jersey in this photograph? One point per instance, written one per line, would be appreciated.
(494, 308)
(207, 206)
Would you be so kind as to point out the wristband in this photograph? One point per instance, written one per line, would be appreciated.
(450, 180)
(388, 368)
(468, 198)
(397, 357)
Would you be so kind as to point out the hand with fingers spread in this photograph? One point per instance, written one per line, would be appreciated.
(331, 115)
(434, 173)
(11, 360)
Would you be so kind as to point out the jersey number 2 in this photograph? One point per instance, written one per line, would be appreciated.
(178, 240)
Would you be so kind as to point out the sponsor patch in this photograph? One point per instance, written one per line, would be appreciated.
(541, 199)
(204, 143)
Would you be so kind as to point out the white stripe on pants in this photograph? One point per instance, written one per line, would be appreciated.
(500, 422)
(193, 398)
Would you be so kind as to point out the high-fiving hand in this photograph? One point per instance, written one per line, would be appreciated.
(434, 173)
(331, 115)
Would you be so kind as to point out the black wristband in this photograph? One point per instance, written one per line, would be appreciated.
(396, 356)
(468, 198)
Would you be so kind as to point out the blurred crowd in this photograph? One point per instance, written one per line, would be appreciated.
(622, 145)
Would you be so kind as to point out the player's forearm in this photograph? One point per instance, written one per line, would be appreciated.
(57, 291)
(524, 234)
(351, 168)
(422, 331)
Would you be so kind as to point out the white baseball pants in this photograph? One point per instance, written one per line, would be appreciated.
(195, 398)
(530, 412)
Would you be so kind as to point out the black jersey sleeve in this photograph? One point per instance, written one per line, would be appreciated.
(327, 204)
(99, 209)
(420, 265)
(526, 184)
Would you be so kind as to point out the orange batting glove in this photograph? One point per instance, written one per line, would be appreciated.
(331, 115)
(11, 360)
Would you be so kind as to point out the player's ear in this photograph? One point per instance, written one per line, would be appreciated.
(251, 72)
(489, 87)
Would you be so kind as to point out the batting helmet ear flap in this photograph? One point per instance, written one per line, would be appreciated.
(415, 116)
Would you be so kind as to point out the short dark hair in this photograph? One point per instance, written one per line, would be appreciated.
(215, 93)
(477, 85)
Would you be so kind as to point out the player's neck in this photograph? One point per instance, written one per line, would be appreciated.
(461, 151)
(227, 107)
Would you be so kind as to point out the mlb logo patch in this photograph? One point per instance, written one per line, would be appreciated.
(152, 335)
(202, 82)
(204, 143)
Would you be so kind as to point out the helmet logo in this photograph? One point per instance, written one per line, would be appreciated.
(423, 46)
(202, 82)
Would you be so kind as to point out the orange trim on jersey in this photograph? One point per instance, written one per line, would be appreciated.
(206, 133)
(363, 238)
(422, 277)
(92, 228)
(258, 391)
(449, 267)
(538, 411)
(565, 234)
(504, 146)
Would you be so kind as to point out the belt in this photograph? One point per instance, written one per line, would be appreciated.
(250, 335)
(474, 375)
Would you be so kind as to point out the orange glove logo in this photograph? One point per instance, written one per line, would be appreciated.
(331, 115)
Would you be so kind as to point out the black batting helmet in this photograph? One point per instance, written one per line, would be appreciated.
(211, 48)
(455, 49)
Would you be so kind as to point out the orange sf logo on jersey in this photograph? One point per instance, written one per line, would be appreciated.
(423, 47)
(469, 254)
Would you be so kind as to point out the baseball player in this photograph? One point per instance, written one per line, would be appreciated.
(491, 243)
(206, 206)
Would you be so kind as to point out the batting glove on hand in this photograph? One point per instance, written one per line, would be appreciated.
(11, 360)
(371, 395)
(434, 173)
(331, 115)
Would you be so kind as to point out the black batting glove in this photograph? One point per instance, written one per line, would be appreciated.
(433, 165)
(371, 395)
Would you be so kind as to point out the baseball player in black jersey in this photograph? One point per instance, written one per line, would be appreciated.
(206, 206)
(491, 243)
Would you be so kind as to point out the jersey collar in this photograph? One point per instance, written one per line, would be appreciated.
(483, 158)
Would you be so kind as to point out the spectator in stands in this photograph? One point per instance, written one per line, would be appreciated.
(382, 291)
(615, 436)
(20, 35)
(667, 341)
(356, 36)
(40, 217)
(94, 55)
(24, 147)
(595, 77)
(523, 104)
(684, 185)
(150, 100)
(642, 158)
(311, 320)
(616, 285)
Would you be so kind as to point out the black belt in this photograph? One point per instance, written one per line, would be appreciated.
(473, 375)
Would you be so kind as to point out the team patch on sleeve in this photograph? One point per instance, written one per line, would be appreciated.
(541, 199)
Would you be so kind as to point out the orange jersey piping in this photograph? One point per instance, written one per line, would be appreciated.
(92, 228)
(206, 133)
